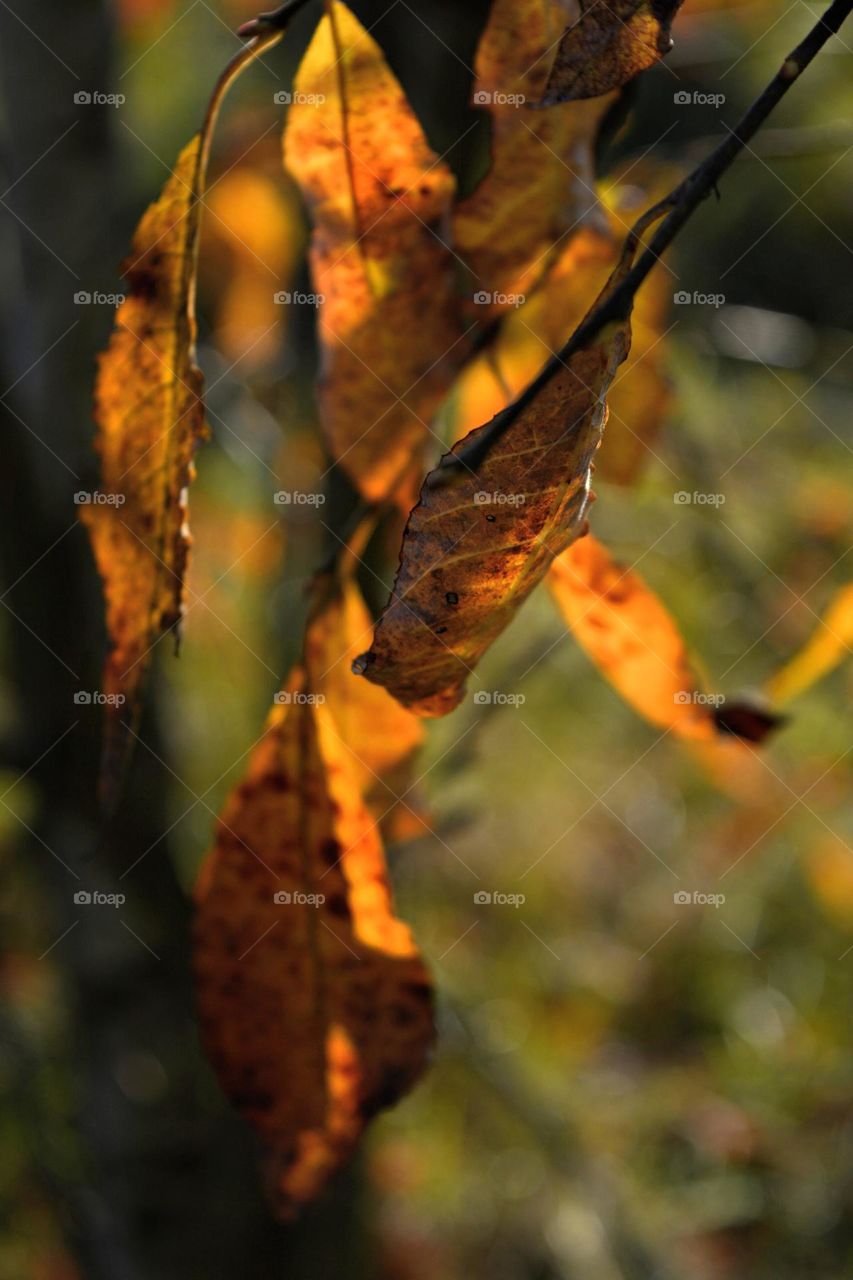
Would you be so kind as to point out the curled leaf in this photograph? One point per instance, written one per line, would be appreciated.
(540, 181)
(377, 195)
(478, 543)
(611, 42)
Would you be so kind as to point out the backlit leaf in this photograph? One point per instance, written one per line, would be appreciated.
(611, 42)
(387, 323)
(540, 180)
(477, 544)
(316, 1009)
(150, 421)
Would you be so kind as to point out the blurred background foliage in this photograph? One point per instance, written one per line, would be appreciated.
(624, 1086)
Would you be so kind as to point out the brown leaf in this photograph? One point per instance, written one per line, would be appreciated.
(611, 42)
(540, 180)
(315, 1014)
(477, 544)
(388, 328)
(150, 421)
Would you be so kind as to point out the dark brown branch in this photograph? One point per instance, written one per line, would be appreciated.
(684, 198)
(277, 20)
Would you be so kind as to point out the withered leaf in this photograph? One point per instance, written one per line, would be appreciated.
(540, 180)
(388, 326)
(315, 1007)
(611, 42)
(477, 544)
(150, 420)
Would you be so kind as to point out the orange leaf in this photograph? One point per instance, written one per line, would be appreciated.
(540, 180)
(611, 42)
(477, 544)
(632, 638)
(150, 420)
(388, 328)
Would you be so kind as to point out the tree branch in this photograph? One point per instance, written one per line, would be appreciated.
(275, 20)
(683, 199)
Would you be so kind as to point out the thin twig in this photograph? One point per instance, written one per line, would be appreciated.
(685, 198)
(276, 20)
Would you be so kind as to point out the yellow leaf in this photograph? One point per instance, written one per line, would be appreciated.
(540, 181)
(830, 644)
(388, 328)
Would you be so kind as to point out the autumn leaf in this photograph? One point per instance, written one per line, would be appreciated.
(477, 544)
(632, 638)
(315, 1007)
(379, 736)
(830, 644)
(377, 194)
(611, 42)
(540, 181)
(640, 395)
(150, 421)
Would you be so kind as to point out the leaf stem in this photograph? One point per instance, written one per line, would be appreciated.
(275, 20)
(684, 199)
